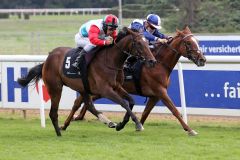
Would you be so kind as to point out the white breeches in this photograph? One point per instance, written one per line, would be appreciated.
(84, 42)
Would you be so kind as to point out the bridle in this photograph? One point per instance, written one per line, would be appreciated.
(128, 53)
(188, 54)
(125, 52)
(189, 50)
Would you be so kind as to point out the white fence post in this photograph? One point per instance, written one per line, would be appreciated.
(42, 113)
(182, 92)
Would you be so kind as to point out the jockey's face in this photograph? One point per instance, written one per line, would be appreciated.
(110, 30)
(149, 27)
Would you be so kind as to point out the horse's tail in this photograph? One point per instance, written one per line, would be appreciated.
(35, 73)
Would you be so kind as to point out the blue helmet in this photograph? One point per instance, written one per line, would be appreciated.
(154, 20)
(137, 26)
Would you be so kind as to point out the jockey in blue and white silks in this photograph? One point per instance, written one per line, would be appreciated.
(150, 28)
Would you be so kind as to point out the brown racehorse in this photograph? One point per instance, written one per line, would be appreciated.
(102, 73)
(155, 81)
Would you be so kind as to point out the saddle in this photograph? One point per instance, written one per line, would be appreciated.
(133, 72)
(72, 72)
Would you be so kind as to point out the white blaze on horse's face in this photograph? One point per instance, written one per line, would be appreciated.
(196, 42)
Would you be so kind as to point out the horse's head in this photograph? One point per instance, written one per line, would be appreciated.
(187, 46)
(137, 46)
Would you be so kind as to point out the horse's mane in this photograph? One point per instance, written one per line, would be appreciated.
(123, 33)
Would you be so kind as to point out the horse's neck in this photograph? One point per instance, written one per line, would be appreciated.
(167, 57)
(115, 55)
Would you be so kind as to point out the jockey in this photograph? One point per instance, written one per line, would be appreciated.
(100, 32)
(150, 28)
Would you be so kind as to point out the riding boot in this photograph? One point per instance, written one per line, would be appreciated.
(76, 64)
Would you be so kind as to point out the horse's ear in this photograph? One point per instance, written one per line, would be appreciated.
(178, 31)
(187, 29)
(130, 31)
(185, 26)
(125, 29)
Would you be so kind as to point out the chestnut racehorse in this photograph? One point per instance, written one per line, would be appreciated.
(155, 81)
(102, 73)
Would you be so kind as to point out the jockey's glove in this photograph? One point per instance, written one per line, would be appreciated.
(108, 41)
(162, 40)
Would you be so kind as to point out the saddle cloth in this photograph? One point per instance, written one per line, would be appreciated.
(67, 68)
(72, 72)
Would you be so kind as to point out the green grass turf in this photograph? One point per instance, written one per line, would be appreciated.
(41, 34)
(90, 140)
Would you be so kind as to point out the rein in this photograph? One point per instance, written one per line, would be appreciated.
(122, 51)
(175, 51)
(133, 45)
(182, 41)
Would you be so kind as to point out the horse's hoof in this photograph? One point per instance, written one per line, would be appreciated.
(77, 118)
(62, 128)
(112, 125)
(139, 127)
(119, 126)
(192, 133)
(59, 133)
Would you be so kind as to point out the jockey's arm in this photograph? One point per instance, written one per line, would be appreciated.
(93, 35)
(158, 37)
(149, 36)
(159, 34)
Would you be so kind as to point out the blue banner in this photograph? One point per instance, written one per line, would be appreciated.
(212, 89)
(220, 47)
(203, 89)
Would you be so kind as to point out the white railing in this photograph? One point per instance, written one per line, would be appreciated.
(54, 10)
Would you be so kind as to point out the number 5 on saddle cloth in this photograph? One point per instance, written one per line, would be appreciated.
(72, 72)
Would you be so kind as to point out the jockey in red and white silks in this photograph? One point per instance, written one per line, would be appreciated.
(91, 34)
(94, 33)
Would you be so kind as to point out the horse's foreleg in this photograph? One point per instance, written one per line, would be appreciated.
(81, 113)
(131, 102)
(168, 102)
(84, 109)
(115, 97)
(150, 104)
(99, 115)
(77, 104)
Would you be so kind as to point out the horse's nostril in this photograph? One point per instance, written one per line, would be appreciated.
(152, 61)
